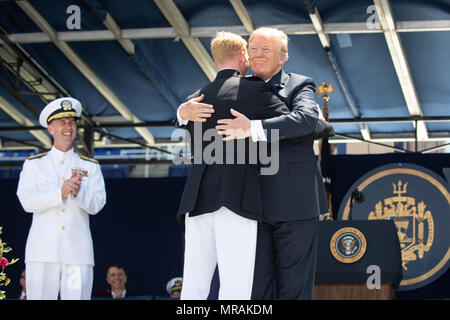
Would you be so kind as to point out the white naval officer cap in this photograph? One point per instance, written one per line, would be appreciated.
(65, 107)
(174, 284)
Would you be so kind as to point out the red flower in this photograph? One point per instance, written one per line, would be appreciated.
(3, 262)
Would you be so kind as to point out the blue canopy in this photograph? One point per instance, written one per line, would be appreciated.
(141, 59)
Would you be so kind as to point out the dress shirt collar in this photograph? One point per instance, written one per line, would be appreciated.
(124, 292)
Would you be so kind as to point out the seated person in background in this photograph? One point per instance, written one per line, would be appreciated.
(117, 279)
(173, 287)
(23, 295)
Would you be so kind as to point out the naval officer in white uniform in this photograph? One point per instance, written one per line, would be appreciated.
(61, 188)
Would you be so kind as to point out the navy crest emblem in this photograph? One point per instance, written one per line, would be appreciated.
(417, 200)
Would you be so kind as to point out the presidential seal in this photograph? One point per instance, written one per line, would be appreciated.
(348, 245)
(417, 200)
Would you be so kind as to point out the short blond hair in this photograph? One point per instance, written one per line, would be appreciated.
(226, 45)
(273, 33)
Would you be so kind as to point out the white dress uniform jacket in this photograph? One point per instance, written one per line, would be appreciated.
(60, 230)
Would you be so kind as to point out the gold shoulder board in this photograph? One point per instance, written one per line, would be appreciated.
(88, 159)
(36, 156)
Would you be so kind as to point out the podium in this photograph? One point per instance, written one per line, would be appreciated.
(340, 278)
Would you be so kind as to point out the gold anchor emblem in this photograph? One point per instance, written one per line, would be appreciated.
(413, 222)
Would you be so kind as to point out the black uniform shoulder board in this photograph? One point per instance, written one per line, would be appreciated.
(37, 156)
(88, 159)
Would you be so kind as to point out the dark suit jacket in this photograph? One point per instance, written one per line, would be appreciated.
(96, 293)
(235, 186)
(297, 191)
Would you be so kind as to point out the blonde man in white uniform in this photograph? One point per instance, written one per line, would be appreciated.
(61, 189)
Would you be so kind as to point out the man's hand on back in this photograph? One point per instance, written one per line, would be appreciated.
(194, 110)
(237, 128)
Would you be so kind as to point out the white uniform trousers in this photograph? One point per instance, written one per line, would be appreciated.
(45, 280)
(224, 239)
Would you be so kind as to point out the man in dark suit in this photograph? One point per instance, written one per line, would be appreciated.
(22, 281)
(117, 278)
(221, 201)
(294, 197)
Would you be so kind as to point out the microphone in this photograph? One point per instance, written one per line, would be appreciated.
(357, 196)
